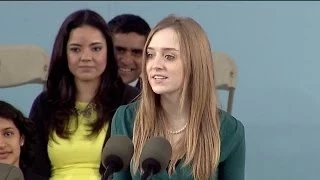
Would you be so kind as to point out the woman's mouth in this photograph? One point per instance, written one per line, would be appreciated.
(4, 155)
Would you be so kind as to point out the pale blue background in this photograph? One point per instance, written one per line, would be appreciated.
(275, 46)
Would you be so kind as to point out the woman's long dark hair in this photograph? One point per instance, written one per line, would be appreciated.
(26, 128)
(61, 90)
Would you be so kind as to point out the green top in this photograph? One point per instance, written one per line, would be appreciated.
(232, 159)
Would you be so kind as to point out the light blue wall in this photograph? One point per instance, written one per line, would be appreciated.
(275, 45)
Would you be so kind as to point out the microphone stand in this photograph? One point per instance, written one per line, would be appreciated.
(108, 174)
(148, 173)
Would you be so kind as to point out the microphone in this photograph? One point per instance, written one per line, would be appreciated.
(116, 155)
(155, 156)
(10, 172)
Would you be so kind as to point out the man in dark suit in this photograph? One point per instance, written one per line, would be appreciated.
(129, 34)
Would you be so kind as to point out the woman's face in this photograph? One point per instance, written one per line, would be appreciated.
(164, 63)
(10, 142)
(86, 53)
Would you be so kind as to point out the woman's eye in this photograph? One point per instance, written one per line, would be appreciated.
(97, 49)
(149, 55)
(8, 134)
(75, 49)
(169, 57)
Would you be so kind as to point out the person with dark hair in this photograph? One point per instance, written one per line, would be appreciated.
(17, 139)
(83, 91)
(129, 33)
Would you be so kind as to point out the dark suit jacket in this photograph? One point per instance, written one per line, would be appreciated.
(29, 175)
(139, 84)
(41, 112)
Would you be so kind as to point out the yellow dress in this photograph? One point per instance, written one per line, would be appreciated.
(79, 157)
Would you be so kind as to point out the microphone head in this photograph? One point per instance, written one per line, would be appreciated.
(157, 150)
(10, 172)
(118, 150)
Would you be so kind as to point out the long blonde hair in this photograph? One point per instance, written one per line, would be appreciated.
(201, 143)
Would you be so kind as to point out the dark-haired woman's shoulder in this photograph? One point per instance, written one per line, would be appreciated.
(29, 175)
(38, 105)
(130, 94)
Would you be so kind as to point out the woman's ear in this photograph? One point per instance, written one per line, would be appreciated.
(22, 141)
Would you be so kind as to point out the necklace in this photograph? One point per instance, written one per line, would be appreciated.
(178, 131)
(86, 112)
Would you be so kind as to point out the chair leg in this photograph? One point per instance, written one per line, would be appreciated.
(230, 100)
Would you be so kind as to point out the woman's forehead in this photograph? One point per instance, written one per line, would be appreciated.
(6, 124)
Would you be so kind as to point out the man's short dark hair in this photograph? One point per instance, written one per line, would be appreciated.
(126, 23)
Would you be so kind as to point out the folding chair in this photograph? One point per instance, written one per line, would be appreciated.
(22, 64)
(225, 72)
